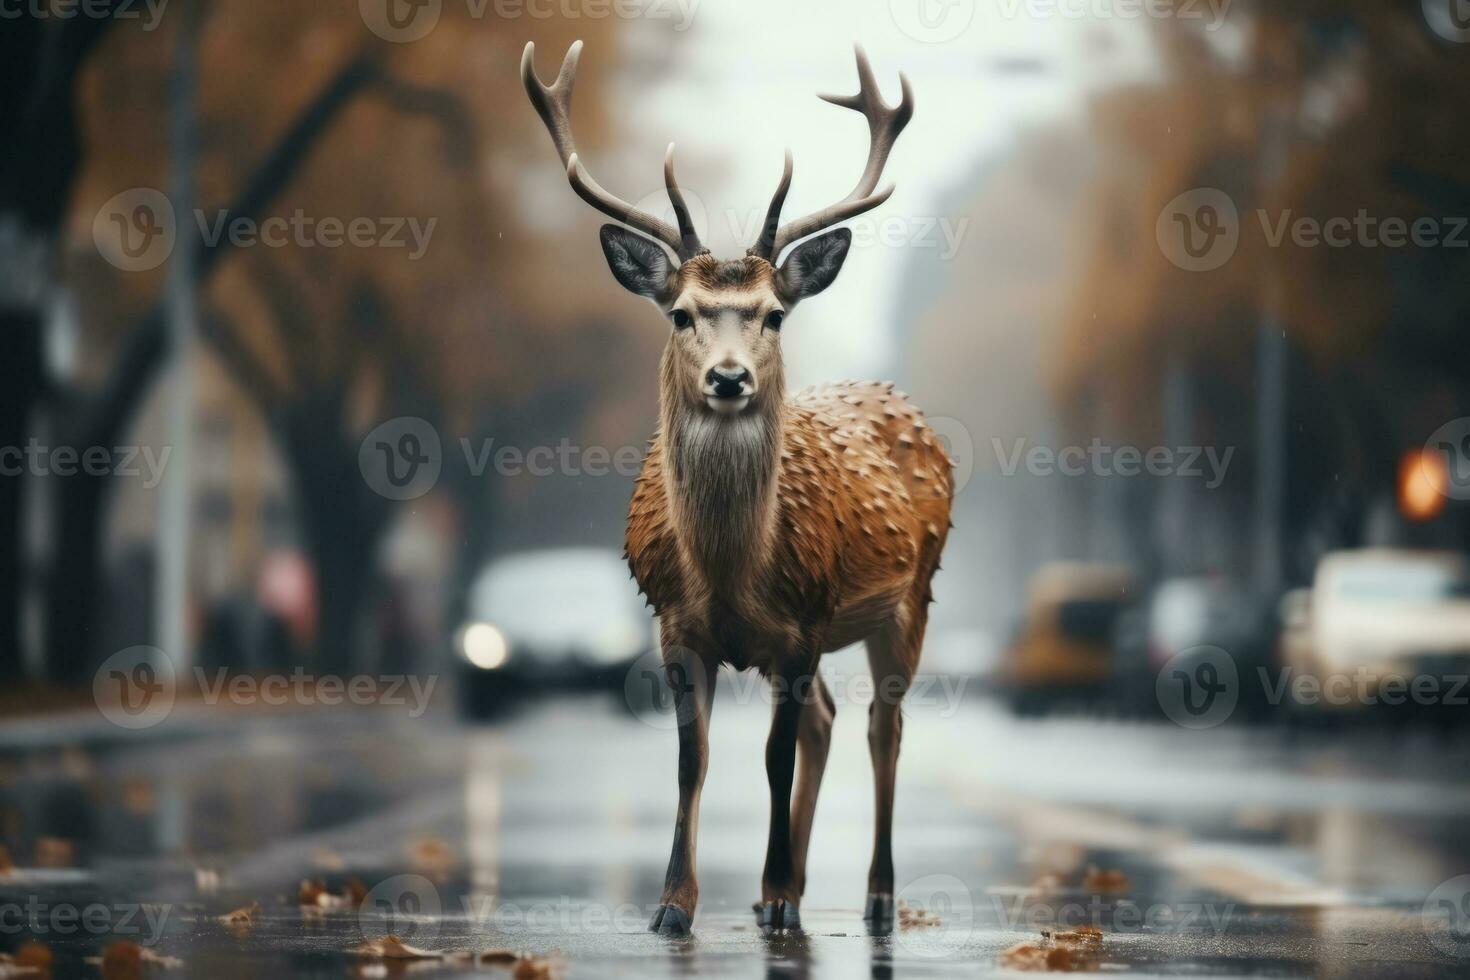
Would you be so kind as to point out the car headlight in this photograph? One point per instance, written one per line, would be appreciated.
(484, 646)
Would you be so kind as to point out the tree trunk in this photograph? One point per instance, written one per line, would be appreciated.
(20, 389)
(75, 582)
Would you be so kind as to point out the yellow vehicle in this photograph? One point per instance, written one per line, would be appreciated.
(1064, 646)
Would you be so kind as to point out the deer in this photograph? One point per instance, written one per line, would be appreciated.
(767, 530)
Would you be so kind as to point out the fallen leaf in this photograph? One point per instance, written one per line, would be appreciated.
(497, 957)
(913, 916)
(242, 920)
(1062, 952)
(393, 948)
(125, 960)
(533, 968)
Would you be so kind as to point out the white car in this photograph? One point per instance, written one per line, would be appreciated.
(1380, 613)
(561, 616)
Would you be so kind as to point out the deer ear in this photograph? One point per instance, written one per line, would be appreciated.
(812, 266)
(639, 264)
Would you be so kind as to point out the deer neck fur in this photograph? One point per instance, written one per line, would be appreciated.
(722, 477)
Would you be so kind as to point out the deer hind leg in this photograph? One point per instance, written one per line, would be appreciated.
(893, 656)
(813, 739)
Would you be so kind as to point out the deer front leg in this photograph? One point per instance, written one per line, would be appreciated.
(813, 739)
(780, 891)
(692, 680)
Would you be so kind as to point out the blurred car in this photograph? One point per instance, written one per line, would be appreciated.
(1192, 617)
(1374, 614)
(567, 617)
(1063, 649)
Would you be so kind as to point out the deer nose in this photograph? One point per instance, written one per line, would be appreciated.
(728, 382)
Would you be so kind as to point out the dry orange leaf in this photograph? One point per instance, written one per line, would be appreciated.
(533, 968)
(243, 916)
(125, 960)
(1062, 952)
(393, 948)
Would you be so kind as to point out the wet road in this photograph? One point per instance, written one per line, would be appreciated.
(1230, 852)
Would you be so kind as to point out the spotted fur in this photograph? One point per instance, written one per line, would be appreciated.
(860, 492)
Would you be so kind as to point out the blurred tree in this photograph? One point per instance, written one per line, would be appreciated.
(329, 342)
(40, 58)
(1317, 111)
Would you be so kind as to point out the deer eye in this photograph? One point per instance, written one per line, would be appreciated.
(774, 318)
(682, 320)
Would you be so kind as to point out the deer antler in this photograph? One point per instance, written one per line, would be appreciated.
(554, 104)
(884, 124)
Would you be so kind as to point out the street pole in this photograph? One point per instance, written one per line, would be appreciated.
(176, 499)
(1271, 351)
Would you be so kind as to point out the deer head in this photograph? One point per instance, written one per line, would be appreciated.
(724, 353)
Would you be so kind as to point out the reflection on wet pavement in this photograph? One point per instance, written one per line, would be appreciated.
(1227, 853)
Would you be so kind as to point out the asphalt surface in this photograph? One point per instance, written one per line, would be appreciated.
(1229, 852)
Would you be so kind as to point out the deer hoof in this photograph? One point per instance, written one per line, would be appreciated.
(780, 915)
(878, 911)
(669, 920)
